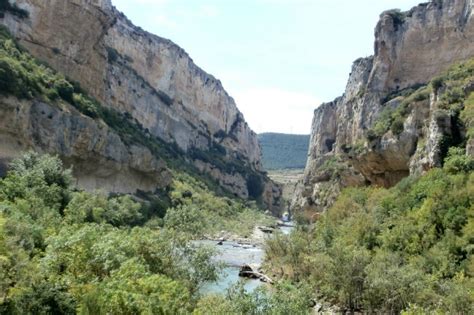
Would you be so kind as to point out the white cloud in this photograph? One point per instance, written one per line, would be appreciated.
(276, 110)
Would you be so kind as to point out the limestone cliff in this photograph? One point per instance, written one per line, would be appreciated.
(148, 77)
(99, 158)
(411, 48)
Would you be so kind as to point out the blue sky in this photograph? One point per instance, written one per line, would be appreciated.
(279, 59)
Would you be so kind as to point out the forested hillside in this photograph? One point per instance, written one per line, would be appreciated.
(283, 151)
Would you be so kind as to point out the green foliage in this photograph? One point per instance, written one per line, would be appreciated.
(186, 218)
(22, 76)
(283, 299)
(467, 115)
(457, 161)
(118, 211)
(389, 250)
(398, 18)
(457, 100)
(392, 118)
(65, 90)
(147, 293)
(334, 166)
(283, 151)
(198, 210)
(112, 54)
(64, 252)
(397, 126)
(455, 95)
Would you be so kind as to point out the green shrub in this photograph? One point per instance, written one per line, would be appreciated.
(65, 90)
(437, 83)
(457, 161)
(393, 118)
(8, 79)
(385, 250)
(187, 218)
(62, 251)
(112, 54)
(467, 115)
(398, 18)
(397, 126)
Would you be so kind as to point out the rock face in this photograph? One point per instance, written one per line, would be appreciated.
(146, 76)
(410, 49)
(100, 160)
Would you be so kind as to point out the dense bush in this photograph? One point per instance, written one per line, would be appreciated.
(198, 210)
(398, 18)
(388, 250)
(283, 299)
(63, 251)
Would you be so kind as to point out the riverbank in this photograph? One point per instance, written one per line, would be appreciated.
(256, 238)
(234, 252)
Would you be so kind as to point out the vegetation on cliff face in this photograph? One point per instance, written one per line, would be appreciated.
(197, 209)
(283, 151)
(454, 99)
(24, 77)
(388, 250)
(393, 118)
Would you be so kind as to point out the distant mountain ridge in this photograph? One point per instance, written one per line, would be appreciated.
(283, 151)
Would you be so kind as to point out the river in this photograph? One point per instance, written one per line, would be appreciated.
(233, 255)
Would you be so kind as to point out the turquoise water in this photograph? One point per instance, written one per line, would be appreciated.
(229, 277)
(234, 255)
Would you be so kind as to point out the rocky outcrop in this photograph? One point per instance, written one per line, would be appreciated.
(146, 76)
(252, 272)
(410, 49)
(97, 155)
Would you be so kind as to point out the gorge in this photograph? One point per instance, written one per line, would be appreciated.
(130, 182)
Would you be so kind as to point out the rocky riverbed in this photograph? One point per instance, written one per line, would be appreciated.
(235, 253)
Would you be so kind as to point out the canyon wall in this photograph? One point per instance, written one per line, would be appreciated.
(149, 77)
(411, 48)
